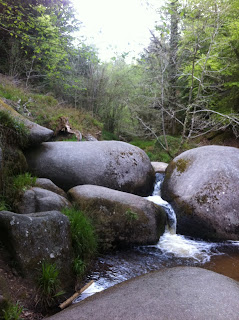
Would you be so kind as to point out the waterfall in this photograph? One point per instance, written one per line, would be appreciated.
(175, 244)
(156, 198)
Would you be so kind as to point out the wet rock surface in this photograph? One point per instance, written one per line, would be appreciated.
(202, 186)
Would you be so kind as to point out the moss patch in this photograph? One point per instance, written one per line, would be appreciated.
(182, 165)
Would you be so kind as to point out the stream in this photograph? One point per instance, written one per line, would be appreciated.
(172, 250)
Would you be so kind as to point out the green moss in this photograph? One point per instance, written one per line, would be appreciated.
(131, 216)
(182, 165)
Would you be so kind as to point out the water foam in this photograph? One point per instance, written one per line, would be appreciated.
(182, 247)
(176, 244)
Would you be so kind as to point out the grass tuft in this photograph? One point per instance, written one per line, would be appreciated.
(48, 286)
(22, 182)
(83, 237)
(79, 267)
(12, 311)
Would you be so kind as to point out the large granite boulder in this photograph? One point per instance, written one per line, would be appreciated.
(120, 218)
(113, 164)
(37, 133)
(180, 293)
(202, 185)
(34, 238)
(39, 200)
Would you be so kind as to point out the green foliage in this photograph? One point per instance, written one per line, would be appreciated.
(12, 311)
(106, 135)
(155, 152)
(83, 238)
(79, 267)
(72, 138)
(22, 182)
(48, 285)
(39, 33)
(3, 205)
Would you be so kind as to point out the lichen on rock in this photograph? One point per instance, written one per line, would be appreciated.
(202, 186)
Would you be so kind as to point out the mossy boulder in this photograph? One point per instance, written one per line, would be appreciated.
(120, 219)
(35, 133)
(202, 185)
(34, 238)
(112, 164)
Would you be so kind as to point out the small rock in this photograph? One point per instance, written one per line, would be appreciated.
(40, 200)
(49, 185)
(159, 167)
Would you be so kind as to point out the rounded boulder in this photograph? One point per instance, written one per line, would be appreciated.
(202, 186)
(120, 219)
(113, 164)
(180, 293)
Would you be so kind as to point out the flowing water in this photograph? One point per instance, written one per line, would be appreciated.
(171, 250)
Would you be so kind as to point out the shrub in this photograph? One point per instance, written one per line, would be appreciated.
(155, 151)
(106, 135)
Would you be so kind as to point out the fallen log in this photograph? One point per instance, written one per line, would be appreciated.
(66, 303)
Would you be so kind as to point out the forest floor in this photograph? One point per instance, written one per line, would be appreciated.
(17, 289)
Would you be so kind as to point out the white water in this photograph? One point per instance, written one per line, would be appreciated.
(176, 244)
